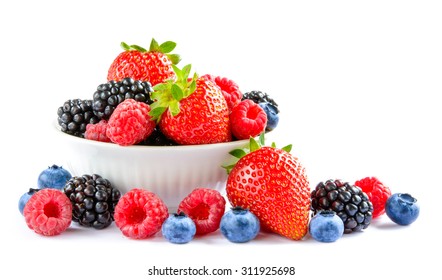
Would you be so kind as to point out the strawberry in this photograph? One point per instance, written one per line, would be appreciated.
(154, 66)
(191, 110)
(272, 184)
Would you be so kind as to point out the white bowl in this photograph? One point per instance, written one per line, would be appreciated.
(171, 172)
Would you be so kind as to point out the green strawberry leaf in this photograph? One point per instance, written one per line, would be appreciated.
(174, 58)
(174, 108)
(167, 47)
(262, 139)
(137, 48)
(186, 70)
(228, 168)
(238, 153)
(287, 148)
(254, 145)
(154, 45)
(156, 113)
(273, 145)
(160, 87)
(125, 46)
(177, 92)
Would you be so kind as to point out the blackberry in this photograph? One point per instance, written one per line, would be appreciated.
(107, 96)
(157, 138)
(349, 202)
(74, 115)
(93, 199)
(260, 97)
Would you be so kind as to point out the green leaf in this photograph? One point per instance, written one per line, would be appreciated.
(138, 48)
(192, 88)
(228, 168)
(154, 45)
(125, 46)
(174, 58)
(186, 70)
(156, 113)
(254, 145)
(287, 148)
(273, 145)
(161, 87)
(174, 108)
(262, 139)
(238, 153)
(177, 92)
(167, 47)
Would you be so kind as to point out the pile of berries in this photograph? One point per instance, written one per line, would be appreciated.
(148, 100)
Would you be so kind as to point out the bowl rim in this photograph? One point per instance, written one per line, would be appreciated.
(233, 144)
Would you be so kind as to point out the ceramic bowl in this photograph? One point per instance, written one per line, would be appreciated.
(171, 172)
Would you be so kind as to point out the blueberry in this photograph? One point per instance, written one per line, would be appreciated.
(326, 226)
(402, 209)
(178, 228)
(24, 199)
(239, 225)
(272, 115)
(54, 177)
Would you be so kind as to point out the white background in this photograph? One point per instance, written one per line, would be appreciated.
(356, 81)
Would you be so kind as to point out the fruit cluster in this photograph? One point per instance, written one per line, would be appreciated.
(149, 100)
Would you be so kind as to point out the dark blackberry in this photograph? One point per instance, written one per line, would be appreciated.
(157, 138)
(74, 115)
(109, 95)
(349, 202)
(93, 199)
(259, 97)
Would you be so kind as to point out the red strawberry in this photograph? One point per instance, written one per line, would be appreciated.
(138, 63)
(191, 111)
(229, 88)
(377, 192)
(205, 207)
(272, 184)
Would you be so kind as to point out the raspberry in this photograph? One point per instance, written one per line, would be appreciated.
(140, 214)
(130, 123)
(97, 132)
(205, 207)
(247, 120)
(48, 212)
(376, 192)
(229, 88)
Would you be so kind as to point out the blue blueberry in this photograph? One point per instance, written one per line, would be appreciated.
(178, 229)
(272, 115)
(54, 177)
(239, 225)
(402, 209)
(24, 199)
(326, 226)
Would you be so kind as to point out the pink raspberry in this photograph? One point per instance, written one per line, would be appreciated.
(247, 119)
(140, 214)
(205, 207)
(48, 212)
(229, 88)
(130, 123)
(97, 131)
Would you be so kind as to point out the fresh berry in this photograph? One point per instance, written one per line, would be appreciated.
(403, 209)
(97, 132)
(74, 115)
(272, 184)
(54, 177)
(229, 88)
(191, 111)
(140, 213)
(349, 202)
(247, 120)
(178, 228)
(157, 138)
(48, 212)
(93, 199)
(205, 207)
(130, 123)
(239, 225)
(260, 97)
(25, 198)
(153, 65)
(377, 192)
(272, 115)
(326, 226)
(107, 96)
